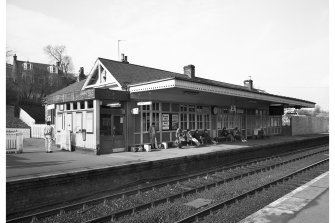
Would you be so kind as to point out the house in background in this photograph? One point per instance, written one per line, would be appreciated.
(27, 83)
(113, 108)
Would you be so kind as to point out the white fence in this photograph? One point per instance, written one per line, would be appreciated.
(14, 141)
(25, 132)
(37, 130)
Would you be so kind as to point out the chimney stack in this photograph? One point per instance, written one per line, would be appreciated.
(14, 70)
(124, 58)
(248, 84)
(189, 70)
(81, 75)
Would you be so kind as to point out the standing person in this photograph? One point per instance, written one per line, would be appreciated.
(152, 135)
(48, 136)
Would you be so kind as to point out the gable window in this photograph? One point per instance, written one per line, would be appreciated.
(27, 66)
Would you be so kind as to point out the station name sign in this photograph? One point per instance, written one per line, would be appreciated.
(144, 103)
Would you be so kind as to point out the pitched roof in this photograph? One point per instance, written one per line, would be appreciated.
(134, 74)
(77, 86)
(127, 73)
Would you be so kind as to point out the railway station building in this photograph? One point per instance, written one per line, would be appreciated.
(113, 108)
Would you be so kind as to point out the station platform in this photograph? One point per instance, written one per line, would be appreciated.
(34, 162)
(306, 204)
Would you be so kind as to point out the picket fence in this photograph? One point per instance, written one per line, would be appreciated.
(37, 130)
(14, 141)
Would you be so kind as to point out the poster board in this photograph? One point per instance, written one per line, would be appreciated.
(165, 121)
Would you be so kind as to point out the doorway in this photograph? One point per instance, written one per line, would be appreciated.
(112, 133)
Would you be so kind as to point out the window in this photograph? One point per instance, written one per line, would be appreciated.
(82, 105)
(68, 106)
(183, 121)
(59, 123)
(90, 104)
(27, 66)
(75, 106)
(206, 121)
(155, 106)
(183, 116)
(191, 121)
(79, 122)
(199, 121)
(89, 122)
(155, 119)
(145, 107)
(146, 121)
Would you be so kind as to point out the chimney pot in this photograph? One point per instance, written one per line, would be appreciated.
(122, 57)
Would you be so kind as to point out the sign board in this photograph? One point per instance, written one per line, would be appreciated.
(174, 121)
(165, 121)
(144, 103)
(49, 107)
(114, 105)
(135, 111)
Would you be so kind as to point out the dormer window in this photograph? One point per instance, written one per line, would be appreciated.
(27, 66)
(53, 69)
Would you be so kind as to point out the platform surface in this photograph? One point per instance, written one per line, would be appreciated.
(35, 162)
(307, 204)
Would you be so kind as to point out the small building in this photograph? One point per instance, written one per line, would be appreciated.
(118, 101)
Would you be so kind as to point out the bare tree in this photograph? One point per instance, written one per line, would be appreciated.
(57, 53)
(9, 53)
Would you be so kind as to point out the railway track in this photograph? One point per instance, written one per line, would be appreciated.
(217, 177)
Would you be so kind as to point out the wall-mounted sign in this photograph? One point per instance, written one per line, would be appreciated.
(214, 110)
(135, 111)
(49, 107)
(233, 108)
(239, 111)
(165, 121)
(144, 103)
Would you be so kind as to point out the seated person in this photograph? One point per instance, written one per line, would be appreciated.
(261, 133)
(224, 134)
(179, 137)
(207, 138)
(238, 135)
(197, 136)
(190, 139)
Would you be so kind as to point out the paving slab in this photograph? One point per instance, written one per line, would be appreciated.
(306, 204)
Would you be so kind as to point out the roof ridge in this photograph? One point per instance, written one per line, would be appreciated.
(34, 62)
(141, 66)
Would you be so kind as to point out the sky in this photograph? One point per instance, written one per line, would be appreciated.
(282, 44)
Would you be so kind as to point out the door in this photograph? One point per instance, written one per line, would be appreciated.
(111, 133)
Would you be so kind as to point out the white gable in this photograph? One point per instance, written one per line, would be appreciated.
(100, 77)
